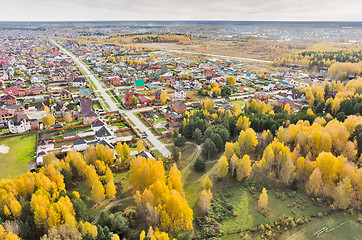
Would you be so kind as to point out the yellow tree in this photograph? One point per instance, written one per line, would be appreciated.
(222, 167)
(205, 200)
(314, 184)
(243, 168)
(206, 183)
(119, 150)
(126, 153)
(342, 194)
(263, 200)
(174, 179)
(163, 96)
(48, 120)
(97, 192)
(111, 189)
(152, 58)
(229, 150)
(68, 117)
(243, 123)
(287, 108)
(140, 146)
(231, 80)
(46, 108)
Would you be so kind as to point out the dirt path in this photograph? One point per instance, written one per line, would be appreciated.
(191, 163)
(106, 208)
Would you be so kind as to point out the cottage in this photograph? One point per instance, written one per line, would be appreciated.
(6, 114)
(65, 94)
(103, 134)
(80, 145)
(97, 124)
(79, 82)
(19, 123)
(8, 99)
(14, 91)
(145, 100)
(180, 94)
(179, 107)
(36, 89)
(286, 101)
(89, 117)
(116, 81)
(139, 84)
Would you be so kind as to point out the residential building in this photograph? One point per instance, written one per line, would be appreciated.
(19, 123)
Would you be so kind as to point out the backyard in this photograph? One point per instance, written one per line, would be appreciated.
(15, 154)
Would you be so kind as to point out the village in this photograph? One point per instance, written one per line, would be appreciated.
(38, 80)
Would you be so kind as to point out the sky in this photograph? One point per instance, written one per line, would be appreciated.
(234, 10)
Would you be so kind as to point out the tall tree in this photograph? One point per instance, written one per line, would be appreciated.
(222, 167)
(263, 200)
(97, 192)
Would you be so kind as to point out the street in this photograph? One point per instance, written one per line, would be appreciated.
(101, 90)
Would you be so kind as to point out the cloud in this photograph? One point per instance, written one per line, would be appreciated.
(243, 10)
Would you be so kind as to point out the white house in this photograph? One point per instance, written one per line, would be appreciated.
(79, 82)
(19, 123)
(180, 94)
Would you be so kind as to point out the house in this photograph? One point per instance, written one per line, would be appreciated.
(89, 117)
(36, 89)
(139, 84)
(145, 100)
(103, 134)
(179, 107)
(79, 82)
(173, 117)
(19, 123)
(97, 124)
(158, 95)
(80, 145)
(6, 114)
(8, 99)
(85, 105)
(286, 101)
(36, 79)
(14, 91)
(65, 94)
(115, 81)
(180, 94)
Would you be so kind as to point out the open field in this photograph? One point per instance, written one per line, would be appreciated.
(340, 227)
(21, 152)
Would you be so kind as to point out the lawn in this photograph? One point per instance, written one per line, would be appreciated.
(340, 227)
(21, 152)
(245, 203)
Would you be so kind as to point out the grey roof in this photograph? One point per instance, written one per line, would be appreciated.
(179, 104)
(18, 118)
(79, 142)
(97, 123)
(103, 132)
(90, 113)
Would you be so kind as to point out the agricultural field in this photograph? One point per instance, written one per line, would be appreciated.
(16, 153)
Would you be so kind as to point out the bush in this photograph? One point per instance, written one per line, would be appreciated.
(200, 165)
(179, 142)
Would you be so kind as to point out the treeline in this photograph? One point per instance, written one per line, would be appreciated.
(151, 38)
(319, 59)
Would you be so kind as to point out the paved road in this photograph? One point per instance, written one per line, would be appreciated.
(220, 56)
(101, 90)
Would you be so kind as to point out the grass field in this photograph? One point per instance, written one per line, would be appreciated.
(245, 205)
(340, 227)
(21, 152)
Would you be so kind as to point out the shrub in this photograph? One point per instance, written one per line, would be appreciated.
(200, 165)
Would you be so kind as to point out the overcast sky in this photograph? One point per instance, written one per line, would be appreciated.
(243, 10)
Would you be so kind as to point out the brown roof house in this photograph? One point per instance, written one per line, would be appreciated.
(19, 123)
(179, 107)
